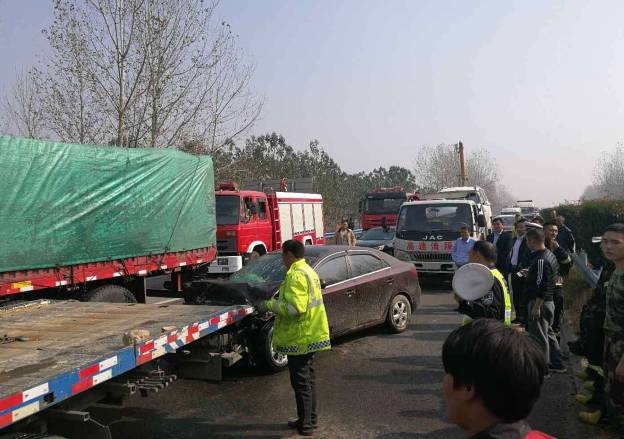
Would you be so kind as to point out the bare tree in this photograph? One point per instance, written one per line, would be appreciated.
(591, 192)
(22, 109)
(609, 174)
(500, 197)
(72, 104)
(437, 167)
(153, 73)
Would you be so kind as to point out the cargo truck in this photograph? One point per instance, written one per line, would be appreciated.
(475, 194)
(381, 206)
(92, 222)
(427, 229)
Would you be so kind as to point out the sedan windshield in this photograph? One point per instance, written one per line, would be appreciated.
(267, 269)
(377, 234)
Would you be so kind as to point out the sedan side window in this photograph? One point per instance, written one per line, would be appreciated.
(362, 264)
(333, 271)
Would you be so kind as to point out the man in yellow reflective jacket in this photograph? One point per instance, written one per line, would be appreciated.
(300, 330)
(496, 304)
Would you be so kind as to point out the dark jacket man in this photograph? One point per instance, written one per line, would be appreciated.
(543, 270)
(524, 255)
(565, 238)
(502, 242)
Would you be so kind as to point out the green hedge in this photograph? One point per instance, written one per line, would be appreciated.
(589, 219)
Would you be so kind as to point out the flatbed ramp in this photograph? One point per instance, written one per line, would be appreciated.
(52, 351)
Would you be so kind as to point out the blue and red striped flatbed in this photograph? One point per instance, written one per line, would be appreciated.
(54, 350)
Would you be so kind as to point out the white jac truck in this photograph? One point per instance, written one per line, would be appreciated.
(426, 231)
(475, 194)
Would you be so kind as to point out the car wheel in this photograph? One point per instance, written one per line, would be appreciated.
(399, 314)
(266, 356)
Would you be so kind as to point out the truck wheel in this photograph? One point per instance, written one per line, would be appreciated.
(109, 293)
(399, 314)
(265, 355)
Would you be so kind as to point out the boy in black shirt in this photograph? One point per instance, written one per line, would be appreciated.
(539, 289)
(493, 377)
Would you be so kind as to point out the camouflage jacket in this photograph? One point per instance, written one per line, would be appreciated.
(614, 318)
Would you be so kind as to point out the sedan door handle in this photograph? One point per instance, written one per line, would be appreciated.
(350, 293)
(389, 281)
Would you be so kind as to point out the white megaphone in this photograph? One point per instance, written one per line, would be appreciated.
(472, 281)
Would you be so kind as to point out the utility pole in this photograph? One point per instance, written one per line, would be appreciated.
(462, 165)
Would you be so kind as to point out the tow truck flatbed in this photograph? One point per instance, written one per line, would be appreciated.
(52, 351)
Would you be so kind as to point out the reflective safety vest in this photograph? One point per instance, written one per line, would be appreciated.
(501, 279)
(301, 325)
(507, 317)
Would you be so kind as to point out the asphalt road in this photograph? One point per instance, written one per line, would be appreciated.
(371, 385)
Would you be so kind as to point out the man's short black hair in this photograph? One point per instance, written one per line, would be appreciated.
(521, 220)
(463, 227)
(617, 228)
(550, 223)
(296, 248)
(498, 219)
(485, 249)
(505, 367)
(536, 235)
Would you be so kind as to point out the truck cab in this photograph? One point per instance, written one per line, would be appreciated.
(251, 223)
(244, 224)
(427, 229)
(472, 193)
(381, 206)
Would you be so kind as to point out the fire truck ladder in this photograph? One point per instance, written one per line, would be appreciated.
(277, 227)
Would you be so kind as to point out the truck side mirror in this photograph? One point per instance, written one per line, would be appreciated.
(481, 221)
(360, 206)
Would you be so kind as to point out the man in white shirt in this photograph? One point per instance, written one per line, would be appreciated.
(518, 260)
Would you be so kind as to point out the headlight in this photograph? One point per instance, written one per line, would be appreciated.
(402, 255)
(380, 247)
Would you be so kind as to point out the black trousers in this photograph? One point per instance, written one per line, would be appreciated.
(303, 382)
(518, 296)
(558, 299)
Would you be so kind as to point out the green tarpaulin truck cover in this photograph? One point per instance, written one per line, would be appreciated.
(64, 204)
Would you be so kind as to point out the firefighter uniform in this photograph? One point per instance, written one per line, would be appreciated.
(300, 330)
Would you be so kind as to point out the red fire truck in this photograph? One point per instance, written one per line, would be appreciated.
(383, 203)
(257, 219)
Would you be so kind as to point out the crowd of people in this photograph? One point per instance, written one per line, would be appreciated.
(530, 265)
(496, 361)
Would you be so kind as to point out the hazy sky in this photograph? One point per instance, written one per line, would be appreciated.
(538, 83)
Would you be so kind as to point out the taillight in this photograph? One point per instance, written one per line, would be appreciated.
(230, 233)
(413, 271)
